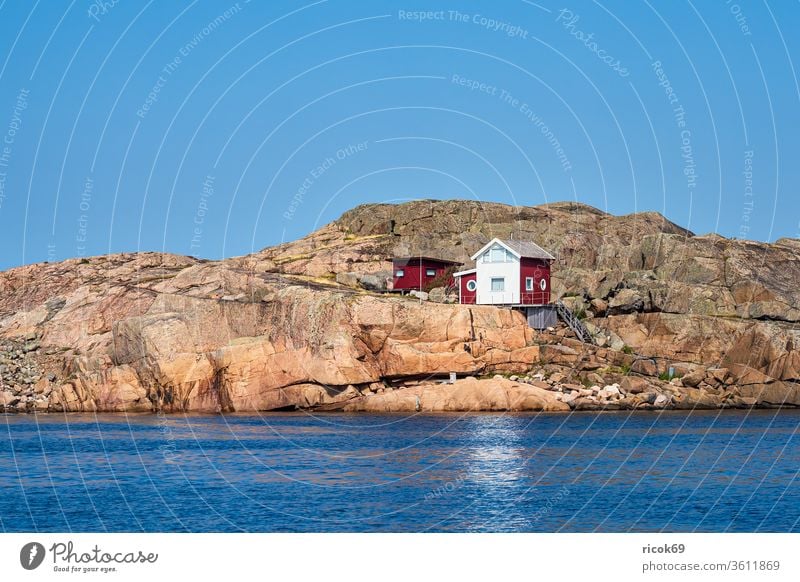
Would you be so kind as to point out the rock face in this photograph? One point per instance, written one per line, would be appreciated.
(305, 324)
(212, 338)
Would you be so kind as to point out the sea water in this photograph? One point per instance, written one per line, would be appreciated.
(582, 472)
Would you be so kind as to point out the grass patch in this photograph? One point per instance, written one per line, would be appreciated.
(291, 259)
(354, 238)
(328, 281)
(666, 377)
(624, 369)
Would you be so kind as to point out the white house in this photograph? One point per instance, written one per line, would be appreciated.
(507, 272)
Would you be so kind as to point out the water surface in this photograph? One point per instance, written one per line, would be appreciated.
(674, 471)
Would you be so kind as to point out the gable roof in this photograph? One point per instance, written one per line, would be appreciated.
(518, 248)
(409, 260)
(528, 249)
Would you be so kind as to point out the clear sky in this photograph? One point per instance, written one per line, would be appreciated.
(216, 128)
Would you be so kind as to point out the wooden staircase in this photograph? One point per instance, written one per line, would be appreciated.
(574, 323)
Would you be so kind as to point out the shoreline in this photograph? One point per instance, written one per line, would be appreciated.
(309, 412)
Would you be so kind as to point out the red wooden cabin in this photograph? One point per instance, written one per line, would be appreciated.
(415, 272)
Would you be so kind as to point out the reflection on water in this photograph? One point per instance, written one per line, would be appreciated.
(734, 471)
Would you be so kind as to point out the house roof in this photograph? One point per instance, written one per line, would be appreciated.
(467, 272)
(528, 249)
(519, 248)
(406, 260)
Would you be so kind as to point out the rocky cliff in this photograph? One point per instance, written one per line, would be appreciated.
(301, 325)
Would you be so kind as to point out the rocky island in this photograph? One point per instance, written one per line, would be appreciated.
(678, 321)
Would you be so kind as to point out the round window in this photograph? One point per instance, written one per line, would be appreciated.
(471, 285)
(543, 284)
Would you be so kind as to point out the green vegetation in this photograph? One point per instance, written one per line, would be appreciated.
(626, 349)
(666, 377)
(441, 280)
(623, 369)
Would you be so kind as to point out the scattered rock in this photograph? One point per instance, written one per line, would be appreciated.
(466, 394)
(611, 391)
(569, 397)
(661, 401)
(693, 378)
(599, 306)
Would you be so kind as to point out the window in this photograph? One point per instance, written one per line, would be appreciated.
(430, 272)
(498, 283)
(399, 273)
(528, 283)
(497, 254)
(472, 285)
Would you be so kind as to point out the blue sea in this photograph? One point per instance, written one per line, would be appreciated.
(610, 472)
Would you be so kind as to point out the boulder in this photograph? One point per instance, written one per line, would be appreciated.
(569, 397)
(785, 366)
(745, 375)
(693, 378)
(773, 393)
(558, 354)
(648, 397)
(599, 306)
(376, 282)
(634, 384)
(590, 403)
(693, 398)
(611, 391)
(595, 378)
(717, 375)
(661, 401)
(646, 367)
(626, 301)
(7, 398)
(347, 279)
(437, 295)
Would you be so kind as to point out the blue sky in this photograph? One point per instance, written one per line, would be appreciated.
(218, 128)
